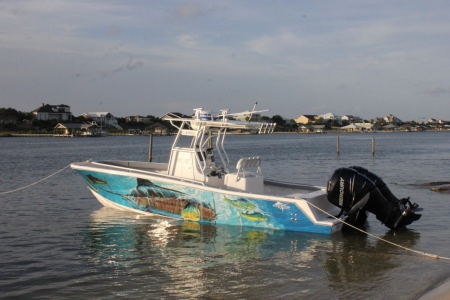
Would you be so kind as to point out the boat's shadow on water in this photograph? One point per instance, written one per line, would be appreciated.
(203, 256)
(358, 257)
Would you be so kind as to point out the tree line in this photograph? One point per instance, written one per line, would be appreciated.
(27, 121)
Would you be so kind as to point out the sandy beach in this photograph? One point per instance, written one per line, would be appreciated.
(441, 292)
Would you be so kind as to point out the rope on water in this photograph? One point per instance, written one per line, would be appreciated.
(381, 239)
(22, 188)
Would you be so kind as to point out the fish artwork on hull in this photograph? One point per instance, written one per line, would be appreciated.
(157, 199)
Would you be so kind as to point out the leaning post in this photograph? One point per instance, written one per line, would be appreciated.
(338, 148)
(150, 148)
(373, 146)
(209, 138)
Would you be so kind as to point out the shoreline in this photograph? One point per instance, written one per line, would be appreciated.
(9, 134)
(441, 291)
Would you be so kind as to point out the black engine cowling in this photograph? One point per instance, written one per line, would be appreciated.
(358, 191)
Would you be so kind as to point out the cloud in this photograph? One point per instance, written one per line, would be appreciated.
(436, 90)
(187, 11)
(284, 42)
(128, 66)
(187, 41)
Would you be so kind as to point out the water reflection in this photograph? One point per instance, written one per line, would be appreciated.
(188, 259)
(358, 259)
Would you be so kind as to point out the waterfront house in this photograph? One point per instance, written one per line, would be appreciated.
(351, 119)
(104, 119)
(332, 117)
(392, 119)
(157, 129)
(306, 119)
(59, 112)
(137, 119)
(353, 128)
(367, 126)
(420, 127)
(306, 128)
(378, 120)
(77, 129)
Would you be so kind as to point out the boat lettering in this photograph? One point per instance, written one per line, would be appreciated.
(281, 206)
(341, 192)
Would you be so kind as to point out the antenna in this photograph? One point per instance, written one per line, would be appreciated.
(197, 112)
(251, 113)
(224, 113)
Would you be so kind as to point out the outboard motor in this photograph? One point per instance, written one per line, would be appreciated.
(384, 190)
(356, 194)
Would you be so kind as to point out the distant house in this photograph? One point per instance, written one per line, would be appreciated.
(392, 119)
(8, 120)
(77, 129)
(53, 112)
(134, 132)
(378, 120)
(367, 126)
(332, 117)
(421, 128)
(353, 128)
(305, 119)
(306, 128)
(137, 119)
(104, 119)
(157, 128)
(351, 119)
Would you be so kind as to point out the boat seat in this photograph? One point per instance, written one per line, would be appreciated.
(243, 180)
(245, 163)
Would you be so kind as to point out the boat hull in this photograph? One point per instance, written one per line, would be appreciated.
(149, 194)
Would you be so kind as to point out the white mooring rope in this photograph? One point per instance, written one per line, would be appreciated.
(22, 188)
(381, 239)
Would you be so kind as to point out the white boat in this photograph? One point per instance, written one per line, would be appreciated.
(200, 184)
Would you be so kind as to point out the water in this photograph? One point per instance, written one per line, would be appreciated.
(58, 242)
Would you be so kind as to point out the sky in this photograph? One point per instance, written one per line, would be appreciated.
(364, 58)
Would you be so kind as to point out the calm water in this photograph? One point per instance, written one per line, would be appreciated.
(57, 242)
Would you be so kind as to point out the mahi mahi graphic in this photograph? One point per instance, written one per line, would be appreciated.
(190, 212)
(241, 203)
(254, 216)
(96, 180)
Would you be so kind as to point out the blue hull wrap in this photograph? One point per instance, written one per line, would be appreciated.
(195, 204)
